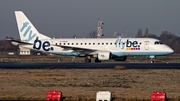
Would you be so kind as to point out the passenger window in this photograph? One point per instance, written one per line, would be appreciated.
(98, 43)
(72, 43)
(59, 43)
(93, 43)
(64, 43)
(76, 43)
(106, 43)
(89, 43)
(110, 43)
(68, 43)
(81, 43)
(102, 43)
(85, 43)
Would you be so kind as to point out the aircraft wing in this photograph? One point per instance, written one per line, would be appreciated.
(76, 48)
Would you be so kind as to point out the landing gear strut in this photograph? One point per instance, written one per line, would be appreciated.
(152, 58)
(87, 60)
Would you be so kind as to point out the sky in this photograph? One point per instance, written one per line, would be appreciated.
(66, 18)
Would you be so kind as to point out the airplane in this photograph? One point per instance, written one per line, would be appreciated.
(101, 49)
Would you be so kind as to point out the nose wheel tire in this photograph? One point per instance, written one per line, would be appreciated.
(152, 61)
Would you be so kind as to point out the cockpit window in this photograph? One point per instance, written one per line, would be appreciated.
(158, 42)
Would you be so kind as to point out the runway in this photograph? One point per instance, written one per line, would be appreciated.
(71, 65)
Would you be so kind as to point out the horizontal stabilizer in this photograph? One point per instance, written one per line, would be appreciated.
(17, 42)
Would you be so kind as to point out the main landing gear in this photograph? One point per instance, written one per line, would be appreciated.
(88, 60)
(97, 60)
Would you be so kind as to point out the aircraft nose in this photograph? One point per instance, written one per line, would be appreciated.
(170, 50)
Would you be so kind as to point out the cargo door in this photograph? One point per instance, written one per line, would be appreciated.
(146, 45)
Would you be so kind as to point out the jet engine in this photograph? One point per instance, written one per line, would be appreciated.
(104, 55)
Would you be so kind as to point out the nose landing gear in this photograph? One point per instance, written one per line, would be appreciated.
(152, 58)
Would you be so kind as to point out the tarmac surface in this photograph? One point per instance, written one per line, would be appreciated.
(76, 65)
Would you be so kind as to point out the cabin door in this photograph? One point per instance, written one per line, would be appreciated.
(146, 45)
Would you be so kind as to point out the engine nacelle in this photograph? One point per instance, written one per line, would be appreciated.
(122, 58)
(104, 55)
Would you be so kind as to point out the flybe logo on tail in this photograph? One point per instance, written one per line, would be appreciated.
(130, 45)
(27, 31)
(38, 44)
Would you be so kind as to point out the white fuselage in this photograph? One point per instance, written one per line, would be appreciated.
(117, 46)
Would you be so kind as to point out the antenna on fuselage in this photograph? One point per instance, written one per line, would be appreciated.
(74, 36)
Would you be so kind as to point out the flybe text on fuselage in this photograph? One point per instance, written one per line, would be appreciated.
(129, 45)
(28, 32)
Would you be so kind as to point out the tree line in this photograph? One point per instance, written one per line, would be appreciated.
(167, 37)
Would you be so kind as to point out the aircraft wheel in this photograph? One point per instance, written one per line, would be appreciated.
(97, 60)
(87, 60)
(152, 61)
